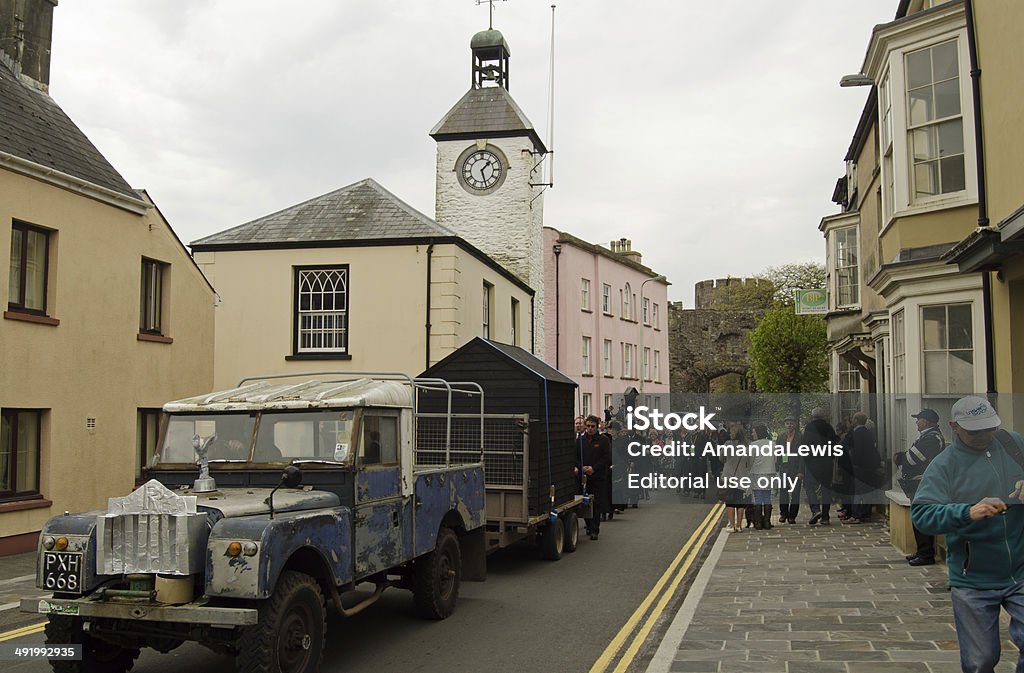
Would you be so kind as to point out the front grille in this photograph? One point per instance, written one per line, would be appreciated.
(168, 544)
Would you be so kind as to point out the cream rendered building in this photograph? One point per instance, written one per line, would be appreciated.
(904, 321)
(354, 280)
(106, 318)
(996, 247)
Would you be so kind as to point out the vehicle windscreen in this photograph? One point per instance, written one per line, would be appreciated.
(305, 436)
(229, 437)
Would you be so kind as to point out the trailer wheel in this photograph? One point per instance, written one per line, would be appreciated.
(436, 577)
(552, 540)
(572, 531)
(98, 656)
(290, 632)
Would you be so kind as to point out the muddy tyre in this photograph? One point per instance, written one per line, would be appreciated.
(98, 656)
(572, 532)
(436, 577)
(289, 636)
(552, 540)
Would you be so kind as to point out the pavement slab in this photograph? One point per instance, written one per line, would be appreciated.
(802, 599)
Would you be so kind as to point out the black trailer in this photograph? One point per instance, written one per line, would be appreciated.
(528, 443)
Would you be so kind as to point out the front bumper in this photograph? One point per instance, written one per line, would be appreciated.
(194, 613)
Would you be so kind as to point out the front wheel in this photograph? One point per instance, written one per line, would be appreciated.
(98, 656)
(289, 635)
(436, 577)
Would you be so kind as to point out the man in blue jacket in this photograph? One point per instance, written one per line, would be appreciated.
(964, 495)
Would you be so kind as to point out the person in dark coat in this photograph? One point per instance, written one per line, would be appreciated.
(789, 503)
(866, 463)
(594, 455)
(622, 467)
(912, 465)
(817, 470)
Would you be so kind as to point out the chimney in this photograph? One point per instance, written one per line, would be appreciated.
(624, 247)
(26, 31)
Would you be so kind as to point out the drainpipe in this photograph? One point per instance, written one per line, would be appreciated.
(983, 221)
(533, 326)
(430, 254)
(557, 249)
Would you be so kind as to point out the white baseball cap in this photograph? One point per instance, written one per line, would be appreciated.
(975, 413)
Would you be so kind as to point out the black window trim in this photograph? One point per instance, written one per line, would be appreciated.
(20, 307)
(324, 355)
(15, 495)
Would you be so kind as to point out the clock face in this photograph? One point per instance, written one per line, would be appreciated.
(481, 170)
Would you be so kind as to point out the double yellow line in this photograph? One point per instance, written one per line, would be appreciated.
(672, 578)
(23, 631)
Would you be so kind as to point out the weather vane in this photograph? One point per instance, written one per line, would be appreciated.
(490, 11)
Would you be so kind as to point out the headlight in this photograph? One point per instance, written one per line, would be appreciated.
(48, 542)
(249, 549)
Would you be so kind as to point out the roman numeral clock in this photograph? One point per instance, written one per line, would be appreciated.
(481, 168)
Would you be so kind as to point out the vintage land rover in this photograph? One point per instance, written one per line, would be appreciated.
(304, 491)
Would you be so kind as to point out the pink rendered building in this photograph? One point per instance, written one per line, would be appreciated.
(606, 318)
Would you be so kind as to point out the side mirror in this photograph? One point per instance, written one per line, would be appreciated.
(291, 477)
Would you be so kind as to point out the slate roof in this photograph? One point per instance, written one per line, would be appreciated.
(485, 112)
(363, 211)
(33, 127)
(528, 361)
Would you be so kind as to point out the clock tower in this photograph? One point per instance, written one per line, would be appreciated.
(489, 173)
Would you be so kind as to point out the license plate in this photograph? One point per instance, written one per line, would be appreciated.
(62, 571)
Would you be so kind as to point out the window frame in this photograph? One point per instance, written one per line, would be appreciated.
(627, 303)
(585, 294)
(13, 494)
(515, 321)
(586, 353)
(606, 358)
(948, 351)
(147, 297)
(19, 306)
(144, 417)
(606, 299)
(838, 267)
(345, 353)
(897, 181)
(486, 309)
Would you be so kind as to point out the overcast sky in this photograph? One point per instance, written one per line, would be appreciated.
(710, 133)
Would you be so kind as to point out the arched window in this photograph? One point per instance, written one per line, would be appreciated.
(321, 315)
(626, 295)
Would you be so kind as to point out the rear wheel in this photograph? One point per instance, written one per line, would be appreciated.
(552, 540)
(289, 635)
(98, 656)
(572, 531)
(436, 577)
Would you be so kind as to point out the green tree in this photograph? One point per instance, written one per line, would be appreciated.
(798, 276)
(788, 351)
(776, 283)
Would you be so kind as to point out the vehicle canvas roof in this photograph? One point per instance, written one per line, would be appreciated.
(291, 395)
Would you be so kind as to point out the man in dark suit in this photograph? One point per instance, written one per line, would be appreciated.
(593, 456)
(865, 461)
(817, 470)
